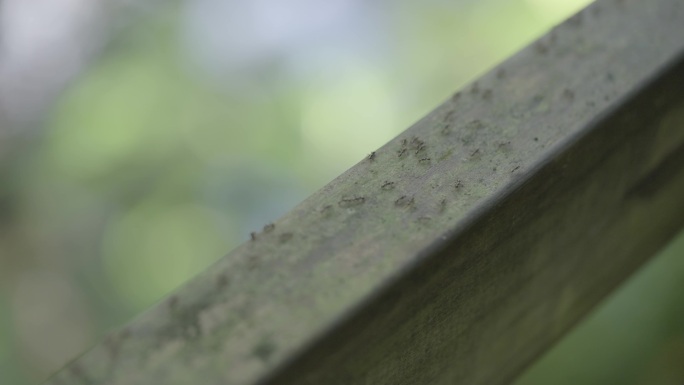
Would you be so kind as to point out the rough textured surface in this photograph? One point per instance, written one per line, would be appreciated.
(461, 249)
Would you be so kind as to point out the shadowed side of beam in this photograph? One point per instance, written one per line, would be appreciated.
(460, 250)
(482, 306)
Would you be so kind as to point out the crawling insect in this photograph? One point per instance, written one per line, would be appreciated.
(416, 144)
(442, 205)
(349, 202)
(371, 156)
(404, 201)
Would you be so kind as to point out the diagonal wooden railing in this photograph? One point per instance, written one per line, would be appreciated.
(462, 249)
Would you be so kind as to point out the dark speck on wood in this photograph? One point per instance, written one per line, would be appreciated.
(173, 302)
(264, 350)
(442, 205)
(353, 201)
(475, 124)
(568, 94)
(487, 94)
(284, 237)
(541, 47)
(424, 219)
(253, 262)
(222, 281)
(326, 210)
(416, 144)
(446, 130)
(576, 20)
(404, 201)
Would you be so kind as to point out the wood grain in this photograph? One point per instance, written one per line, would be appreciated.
(464, 247)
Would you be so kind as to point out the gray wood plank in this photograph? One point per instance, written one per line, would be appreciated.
(465, 247)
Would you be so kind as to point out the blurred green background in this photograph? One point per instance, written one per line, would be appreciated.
(172, 130)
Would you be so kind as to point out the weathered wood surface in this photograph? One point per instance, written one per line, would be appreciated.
(465, 247)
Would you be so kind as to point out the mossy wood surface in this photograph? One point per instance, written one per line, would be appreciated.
(460, 250)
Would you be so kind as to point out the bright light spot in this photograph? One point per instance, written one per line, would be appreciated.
(43, 45)
(222, 35)
(557, 9)
(149, 252)
(343, 120)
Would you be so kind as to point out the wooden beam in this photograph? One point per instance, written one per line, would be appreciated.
(463, 248)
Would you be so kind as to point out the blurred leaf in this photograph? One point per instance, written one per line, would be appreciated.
(148, 251)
